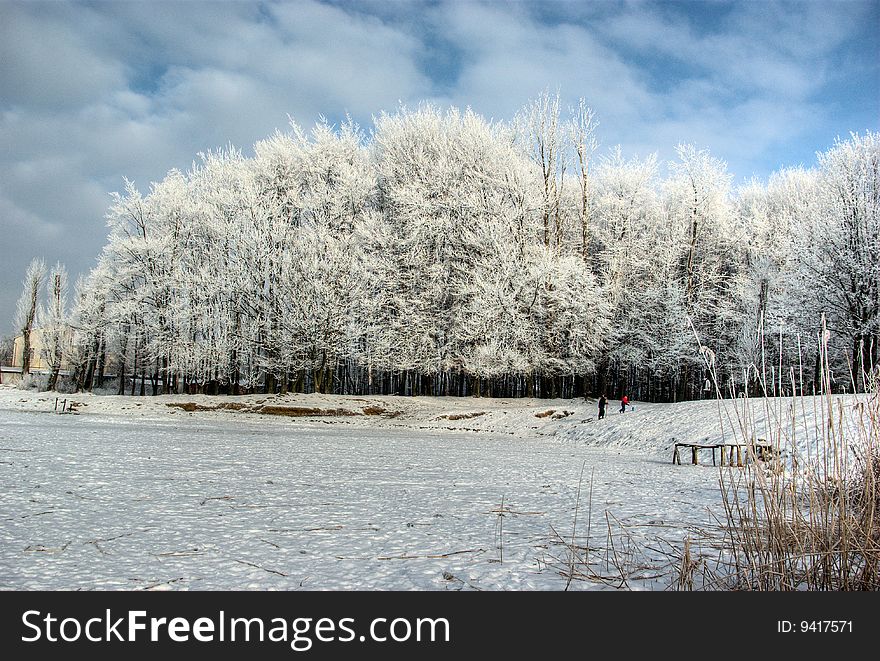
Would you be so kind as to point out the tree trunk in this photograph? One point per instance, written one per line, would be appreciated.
(121, 367)
(26, 350)
(154, 379)
(134, 371)
(101, 362)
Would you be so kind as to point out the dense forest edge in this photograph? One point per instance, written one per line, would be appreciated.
(444, 254)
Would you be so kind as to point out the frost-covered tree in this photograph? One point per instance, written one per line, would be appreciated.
(440, 189)
(90, 333)
(52, 323)
(7, 345)
(775, 318)
(542, 138)
(581, 134)
(26, 309)
(321, 186)
(840, 258)
(145, 246)
(697, 203)
(638, 254)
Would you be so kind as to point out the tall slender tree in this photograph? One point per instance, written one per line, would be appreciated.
(53, 325)
(26, 309)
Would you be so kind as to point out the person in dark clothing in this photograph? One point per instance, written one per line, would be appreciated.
(603, 402)
(623, 403)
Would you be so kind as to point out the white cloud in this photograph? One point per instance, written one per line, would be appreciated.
(48, 66)
(22, 226)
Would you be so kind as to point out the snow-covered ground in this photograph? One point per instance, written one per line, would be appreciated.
(417, 493)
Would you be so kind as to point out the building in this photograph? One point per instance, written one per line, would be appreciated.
(37, 360)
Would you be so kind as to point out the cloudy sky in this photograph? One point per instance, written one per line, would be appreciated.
(91, 92)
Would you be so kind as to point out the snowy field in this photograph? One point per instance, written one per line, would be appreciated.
(130, 493)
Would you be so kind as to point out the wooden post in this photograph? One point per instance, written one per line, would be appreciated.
(739, 461)
(695, 456)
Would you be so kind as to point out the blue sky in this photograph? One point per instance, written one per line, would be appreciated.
(91, 92)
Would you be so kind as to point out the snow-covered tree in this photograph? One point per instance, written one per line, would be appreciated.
(697, 205)
(52, 323)
(26, 309)
(542, 138)
(840, 260)
(7, 345)
(771, 216)
(581, 134)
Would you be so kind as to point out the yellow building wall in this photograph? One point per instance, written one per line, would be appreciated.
(37, 362)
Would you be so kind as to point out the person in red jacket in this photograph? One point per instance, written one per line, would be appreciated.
(623, 402)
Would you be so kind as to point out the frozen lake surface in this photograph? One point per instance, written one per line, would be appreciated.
(99, 501)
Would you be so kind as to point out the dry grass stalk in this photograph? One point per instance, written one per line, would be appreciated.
(810, 523)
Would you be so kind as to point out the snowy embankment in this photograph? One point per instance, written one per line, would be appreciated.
(520, 417)
(645, 427)
(794, 425)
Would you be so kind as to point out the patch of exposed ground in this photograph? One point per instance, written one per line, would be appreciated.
(285, 411)
(461, 416)
(303, 411)
(554, 415)
(192, 406)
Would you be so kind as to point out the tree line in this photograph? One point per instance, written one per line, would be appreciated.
(443, 254)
